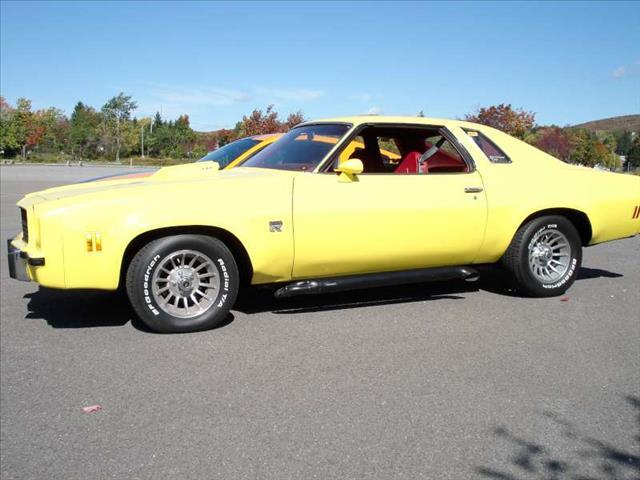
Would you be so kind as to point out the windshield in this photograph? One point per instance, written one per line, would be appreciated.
(301, 149)
(227, 154)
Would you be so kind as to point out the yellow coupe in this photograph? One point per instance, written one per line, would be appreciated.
(234, 153)
(332, 205)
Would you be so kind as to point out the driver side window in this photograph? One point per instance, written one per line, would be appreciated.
(404, 151)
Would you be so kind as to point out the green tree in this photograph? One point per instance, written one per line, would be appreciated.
(83, 130)
(624, 141)
(584, 148)
(23, 124)
(633, 156)
(55, 125)
(8, 138)
(116, 112)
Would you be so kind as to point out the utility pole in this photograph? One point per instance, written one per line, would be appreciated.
(142, 140)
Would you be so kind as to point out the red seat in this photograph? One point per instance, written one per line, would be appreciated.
(409, 163)
(441, 161)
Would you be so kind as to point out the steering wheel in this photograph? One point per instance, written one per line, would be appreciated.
(430, 153)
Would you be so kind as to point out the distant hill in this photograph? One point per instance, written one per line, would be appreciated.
(624, 122)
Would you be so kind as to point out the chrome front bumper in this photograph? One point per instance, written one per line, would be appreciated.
(18, 262)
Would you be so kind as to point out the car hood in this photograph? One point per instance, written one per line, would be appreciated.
(186, 172)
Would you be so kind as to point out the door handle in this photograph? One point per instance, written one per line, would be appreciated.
(473, 189)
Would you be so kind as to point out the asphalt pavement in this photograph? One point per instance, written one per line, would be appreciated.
(436, 381)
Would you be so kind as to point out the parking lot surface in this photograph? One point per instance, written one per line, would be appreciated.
(435, 381)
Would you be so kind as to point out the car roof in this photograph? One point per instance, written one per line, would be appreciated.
(361, 119)
(266, 136)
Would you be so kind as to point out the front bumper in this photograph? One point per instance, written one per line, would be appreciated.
(19, 262)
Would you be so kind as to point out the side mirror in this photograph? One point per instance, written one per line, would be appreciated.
(349, 169)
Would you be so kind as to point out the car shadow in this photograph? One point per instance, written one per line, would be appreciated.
(96, 308)
(586, 273)
(86, 309)
(587, 458)
(261, 299)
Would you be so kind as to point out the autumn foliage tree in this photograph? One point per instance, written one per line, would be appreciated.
(516, 122)
(555, 141)
(261, 122)
(292, 120)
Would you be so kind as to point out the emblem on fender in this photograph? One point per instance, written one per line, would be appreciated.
(275, 226)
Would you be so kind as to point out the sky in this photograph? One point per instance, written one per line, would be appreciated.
(568, 62)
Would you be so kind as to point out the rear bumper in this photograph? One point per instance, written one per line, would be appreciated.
(19, 262)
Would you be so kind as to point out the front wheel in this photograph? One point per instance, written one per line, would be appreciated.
(544, 256)
(183, 283)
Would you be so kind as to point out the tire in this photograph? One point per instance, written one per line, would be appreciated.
(183, 283)
(537, 249)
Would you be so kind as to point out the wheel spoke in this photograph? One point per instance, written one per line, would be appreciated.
(195, 300)
(201, 267)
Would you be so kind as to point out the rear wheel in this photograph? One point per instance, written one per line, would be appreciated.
(183, 283)
(544, 256)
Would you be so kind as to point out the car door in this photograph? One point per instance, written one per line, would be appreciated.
(385, 222)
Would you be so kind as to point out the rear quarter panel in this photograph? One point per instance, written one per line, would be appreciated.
(535, 181)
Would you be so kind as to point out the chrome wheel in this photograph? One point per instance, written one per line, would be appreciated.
(549, 255)
(185, 284)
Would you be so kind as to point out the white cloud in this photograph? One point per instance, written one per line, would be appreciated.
(631, 70)
(619, 72)
(373, 111)
(199, 96)
(289, 94)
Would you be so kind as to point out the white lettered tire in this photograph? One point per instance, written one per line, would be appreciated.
(183, 283)
(544, 257)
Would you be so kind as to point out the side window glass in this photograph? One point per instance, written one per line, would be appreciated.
(490, 149)
(446, 148)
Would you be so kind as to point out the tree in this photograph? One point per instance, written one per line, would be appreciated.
(260, 122)
(56, 129)
(554, 141)
(292, 120)
(83, 130)
(8, 139)
(624, 141)
(583, 148)
(117, 111)
(633, 156)
(516, 122)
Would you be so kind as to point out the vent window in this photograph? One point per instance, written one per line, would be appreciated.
(490, 149)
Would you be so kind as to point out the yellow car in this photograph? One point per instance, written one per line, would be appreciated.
(238, 151)
(228, 156)
(415, 199)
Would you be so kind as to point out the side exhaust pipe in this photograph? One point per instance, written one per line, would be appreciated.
(356, 282)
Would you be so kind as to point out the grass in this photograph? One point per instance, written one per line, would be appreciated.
(64, 159)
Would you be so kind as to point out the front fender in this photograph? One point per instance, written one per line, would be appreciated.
(117, 222)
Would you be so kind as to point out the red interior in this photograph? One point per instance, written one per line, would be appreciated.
(442, 161)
